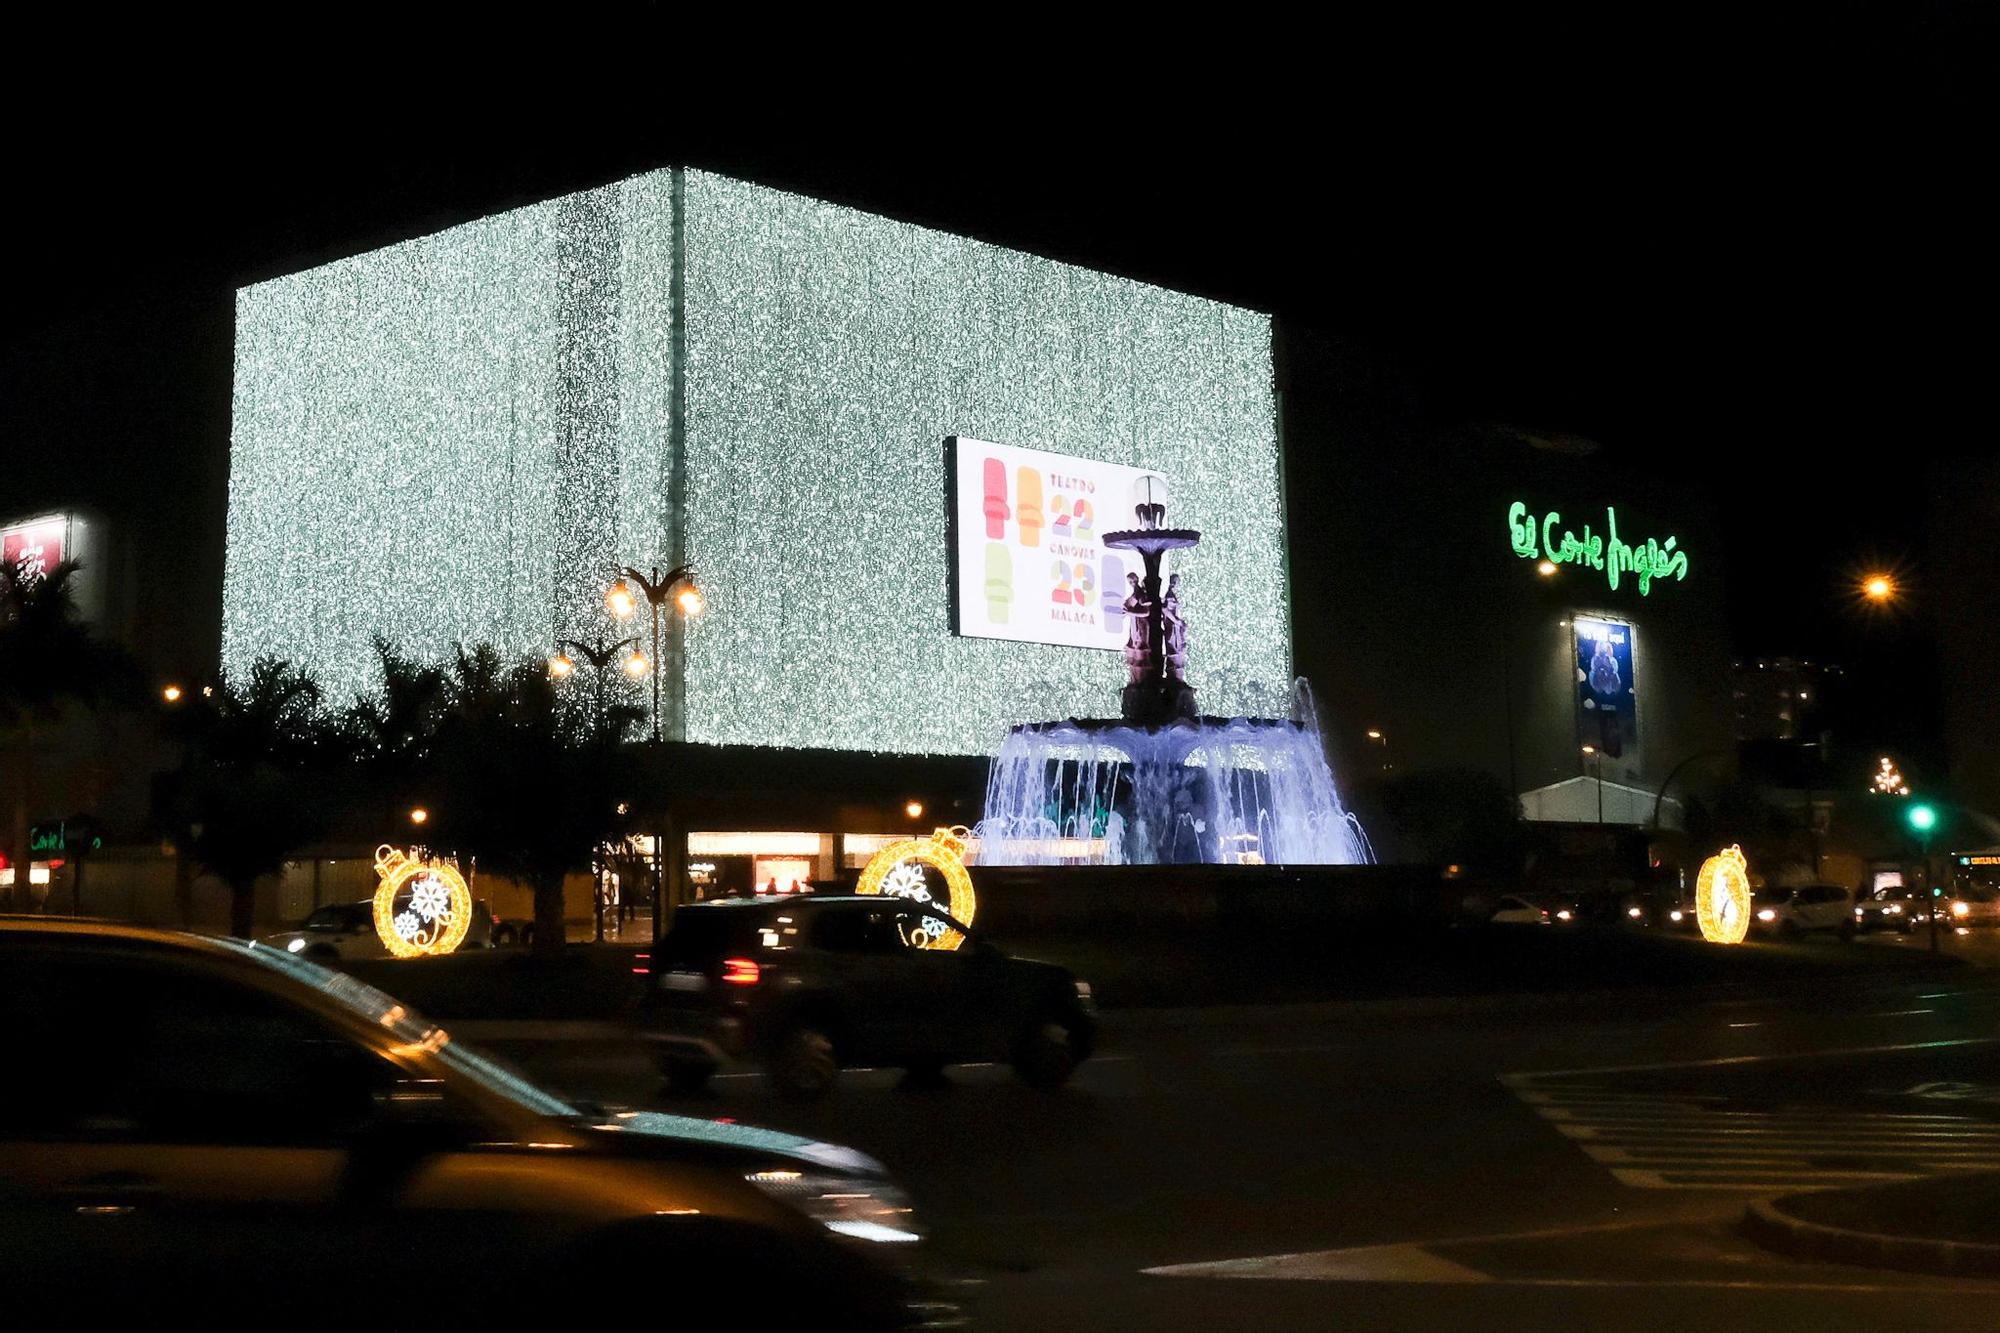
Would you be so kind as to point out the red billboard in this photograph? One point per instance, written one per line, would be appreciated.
(38, 544)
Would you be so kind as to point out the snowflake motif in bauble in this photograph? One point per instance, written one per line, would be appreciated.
(907, 881)
(430, 899)
(407, 925)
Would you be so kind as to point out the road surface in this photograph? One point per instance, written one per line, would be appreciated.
(1505, 1163)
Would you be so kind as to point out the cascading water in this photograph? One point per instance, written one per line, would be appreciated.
(1164, 785)
(1214, 790)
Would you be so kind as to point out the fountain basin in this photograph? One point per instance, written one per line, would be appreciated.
(1209, 790)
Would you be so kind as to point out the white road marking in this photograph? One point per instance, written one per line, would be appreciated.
(1533, 1075)
(1417, 1263)
(1662, 1140)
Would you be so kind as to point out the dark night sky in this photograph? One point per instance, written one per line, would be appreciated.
(1759, 257)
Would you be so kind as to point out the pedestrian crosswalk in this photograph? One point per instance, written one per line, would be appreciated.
(1680, 1141)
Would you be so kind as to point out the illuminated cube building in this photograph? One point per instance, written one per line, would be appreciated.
(458, 440)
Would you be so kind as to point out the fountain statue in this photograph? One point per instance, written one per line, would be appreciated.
(1162, 784)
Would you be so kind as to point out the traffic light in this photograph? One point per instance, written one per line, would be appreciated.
(1923, 818)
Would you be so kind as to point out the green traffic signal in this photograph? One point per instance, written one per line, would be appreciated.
(1923, 818)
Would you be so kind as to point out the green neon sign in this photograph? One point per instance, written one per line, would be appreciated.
(1545, 538)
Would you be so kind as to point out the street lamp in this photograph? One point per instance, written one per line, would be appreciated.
(620, 600)
(1377, 737)
(599, 654)
(1879, 588)
(914, 809)
(172, 694)
(419, 816)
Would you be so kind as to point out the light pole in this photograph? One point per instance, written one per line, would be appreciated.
(621, 602)
(1377, 737)
(562, 666)
(1597, 766)
(1923, 820)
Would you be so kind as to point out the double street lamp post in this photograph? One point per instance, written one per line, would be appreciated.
(599, 655)
(622, 601)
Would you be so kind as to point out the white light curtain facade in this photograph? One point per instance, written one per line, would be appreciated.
(455, 440)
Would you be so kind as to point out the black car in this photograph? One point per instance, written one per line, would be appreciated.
(809, 984)
(223, 1129)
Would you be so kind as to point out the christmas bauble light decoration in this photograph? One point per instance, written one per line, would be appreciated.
(421, 906)
(898, 870)
(1722, 897)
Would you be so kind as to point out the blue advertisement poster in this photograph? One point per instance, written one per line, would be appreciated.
(1607, 712)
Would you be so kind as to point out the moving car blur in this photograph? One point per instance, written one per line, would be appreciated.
(195, 1121)
(807, 985)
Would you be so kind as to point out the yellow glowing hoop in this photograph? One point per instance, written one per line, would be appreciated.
(895, 871)
(1722, 897)
(436, 906)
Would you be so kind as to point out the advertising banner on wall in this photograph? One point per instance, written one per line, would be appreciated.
(1607, 700)
(38, 544)
(1029, 564)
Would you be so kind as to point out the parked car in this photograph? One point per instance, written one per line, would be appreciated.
(1794, 911)
(342, 931)
(1894, 908)
(809, 984)
(1512, 910)
(191, 1121)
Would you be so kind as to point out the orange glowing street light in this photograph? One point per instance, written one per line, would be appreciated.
(1879, 588)
(1545, 567)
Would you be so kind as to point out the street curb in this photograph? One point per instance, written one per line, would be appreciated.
(1765, 1223)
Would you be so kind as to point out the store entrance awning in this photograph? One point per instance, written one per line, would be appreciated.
(1574, 801)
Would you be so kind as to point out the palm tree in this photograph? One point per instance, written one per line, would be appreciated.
(392, 731)
(49, 661)
(251, 790)
(519, 783)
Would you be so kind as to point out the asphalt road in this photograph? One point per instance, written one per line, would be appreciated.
(1499, 1163)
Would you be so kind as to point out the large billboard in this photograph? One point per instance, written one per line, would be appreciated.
(1029, 558)
(36, 545)
(1607, 710)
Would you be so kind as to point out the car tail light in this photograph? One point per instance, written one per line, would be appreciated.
(741, 971)
(642, 964)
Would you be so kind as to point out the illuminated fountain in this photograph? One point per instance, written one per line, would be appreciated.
(1162, 785)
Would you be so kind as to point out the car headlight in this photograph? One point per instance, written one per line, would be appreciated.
(1677, 914)
(858, 1207)
(1893, 909)
(1767, 915)
(1634, 913)
(295, 945)
(1563, 915)
(1960, 907)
